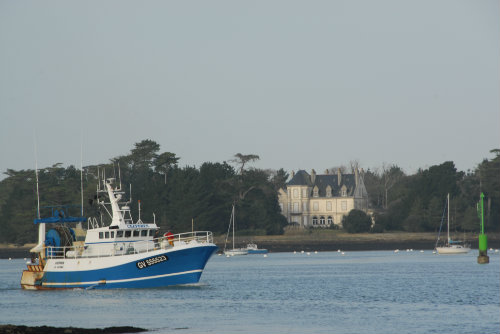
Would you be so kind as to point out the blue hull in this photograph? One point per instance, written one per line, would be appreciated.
(183, 266)
(257, 251)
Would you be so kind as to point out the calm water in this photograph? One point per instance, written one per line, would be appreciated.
(360, 292)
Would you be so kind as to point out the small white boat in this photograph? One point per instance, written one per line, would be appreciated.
(234, 251)
(451, 247)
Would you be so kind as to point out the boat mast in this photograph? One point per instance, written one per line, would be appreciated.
(448, 200)
(81, 176)
(233, 224)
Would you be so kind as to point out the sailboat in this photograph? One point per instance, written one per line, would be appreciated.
(233, 251)
(451, 247)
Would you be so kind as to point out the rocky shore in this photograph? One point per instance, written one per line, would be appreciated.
(14, 329)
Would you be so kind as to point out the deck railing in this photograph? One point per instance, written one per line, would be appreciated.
(127, 247)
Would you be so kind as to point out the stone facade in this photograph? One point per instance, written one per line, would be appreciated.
(311, 200)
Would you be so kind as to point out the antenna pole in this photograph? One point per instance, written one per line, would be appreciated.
(81, 175)
(120, 176)
(37, 191)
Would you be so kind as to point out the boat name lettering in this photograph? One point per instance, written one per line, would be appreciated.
(151, 261)
(137, 225)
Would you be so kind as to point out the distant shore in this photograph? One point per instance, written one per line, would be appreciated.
(331, 240)
(318, 240)
(15, 329)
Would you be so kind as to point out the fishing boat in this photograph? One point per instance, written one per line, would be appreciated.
(234, 251)
(253, 249)
(123, 254)
(451, 246)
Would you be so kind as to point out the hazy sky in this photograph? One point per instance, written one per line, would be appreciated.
(303, 84)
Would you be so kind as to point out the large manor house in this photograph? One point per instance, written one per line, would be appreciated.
(311, 200)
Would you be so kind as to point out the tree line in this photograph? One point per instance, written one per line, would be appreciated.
(172, 196)
(416, 203)
(177, 197)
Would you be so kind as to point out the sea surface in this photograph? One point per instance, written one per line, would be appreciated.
(327, 292)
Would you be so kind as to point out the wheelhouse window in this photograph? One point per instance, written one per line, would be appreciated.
(151, 233)
(101, 235)
(112, 234)
(106, 235)
(144, 233)
(119, 234)
(136, 233)
(128, 234)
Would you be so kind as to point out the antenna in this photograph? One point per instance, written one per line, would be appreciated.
(36, 175)
(120, 175)
(81, 173)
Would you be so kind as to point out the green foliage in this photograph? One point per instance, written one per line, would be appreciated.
(357, 221)
(175, 196)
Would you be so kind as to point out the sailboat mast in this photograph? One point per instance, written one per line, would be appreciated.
(233, 225)
(448, 200)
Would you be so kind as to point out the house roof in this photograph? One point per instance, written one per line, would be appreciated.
(302, 178)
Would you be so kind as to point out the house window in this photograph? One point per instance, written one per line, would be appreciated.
(316, 206)
(305, 220)
(296, 207)
(304, 193)
(281, 207)
(344, 205)
(344, 192)
(322, 220)
(315, 220)
(328, 206)
(295, 193)
(330, 220)
(315, 192)
(304, 206)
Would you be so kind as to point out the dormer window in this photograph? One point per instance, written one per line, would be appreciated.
(315, 191)
(343, 191)
(328, 191)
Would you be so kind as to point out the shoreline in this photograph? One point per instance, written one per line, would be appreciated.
(321, 240)
(20, 329)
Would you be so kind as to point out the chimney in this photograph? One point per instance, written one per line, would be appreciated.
(339, 177)
(356, 176)
(313, 176)
(327, 171)
(293, 174)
